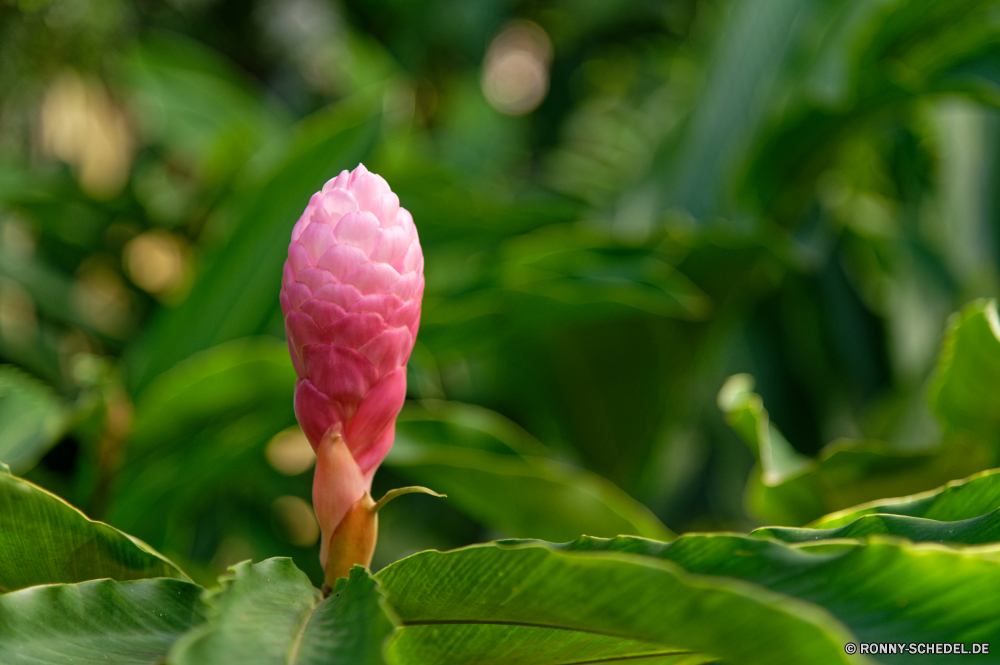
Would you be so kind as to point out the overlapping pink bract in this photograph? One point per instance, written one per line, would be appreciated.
(351, 294)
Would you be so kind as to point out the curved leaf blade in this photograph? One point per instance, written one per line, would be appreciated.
(44, 540)
(611, 594)
(101, 621)
(31, 418)
(884, 590)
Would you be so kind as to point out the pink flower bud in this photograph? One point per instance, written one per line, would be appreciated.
(351, 294)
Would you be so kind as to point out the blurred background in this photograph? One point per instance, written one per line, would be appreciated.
(622, 204)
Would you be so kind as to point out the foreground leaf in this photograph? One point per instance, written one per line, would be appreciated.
(100, 621)
(44, 540)
(270, 613)
(597, 607)
(884, 590)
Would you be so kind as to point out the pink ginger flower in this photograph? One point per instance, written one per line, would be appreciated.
(351, 294)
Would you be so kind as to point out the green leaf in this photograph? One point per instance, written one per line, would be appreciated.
(238, 294)
(787, 488)
(615, 606)
(44, 540)
(31, 418)
(101, 621)
(958, 500)
(884, 590)
(964, 393)
(270, 613)
(523, 495)
(746, 414)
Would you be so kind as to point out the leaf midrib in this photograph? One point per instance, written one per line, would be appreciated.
(293, 650)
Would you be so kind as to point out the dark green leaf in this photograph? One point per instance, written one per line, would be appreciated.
(101, 621)
(270, 613)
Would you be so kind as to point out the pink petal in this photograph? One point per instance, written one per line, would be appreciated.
(297, 293)
(300, 368)
(368, 189)
(376, 414)
(392, 247)
(354, 330)
(302, 330)
(360, 229)
(340, 182)
(383, 304)
(414, 258)
(406, 316)
(376, 451)
(286, 274)
(286, 305)
(314, 278)
(337, 203)
(314, 411)
(317, 238)
(405, 220)
(342, 374)
(358, 171)
(324, 313)
(344, 295)
(298, 257)
(389, 349)
(341, 259)
(372, 277)
(407, 285)
(388, 209)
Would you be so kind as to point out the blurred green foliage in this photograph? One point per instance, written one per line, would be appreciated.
(801, 191)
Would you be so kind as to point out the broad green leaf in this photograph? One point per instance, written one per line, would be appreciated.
(44, 540)
(101, 621)
(964, 393)
(882, 589)
(270, 613)
(31, 418)
(523, 495)
(452, 605)
(958, 500)
(238, 293)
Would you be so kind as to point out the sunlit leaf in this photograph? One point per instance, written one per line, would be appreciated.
(560, 607)
(44, 540)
